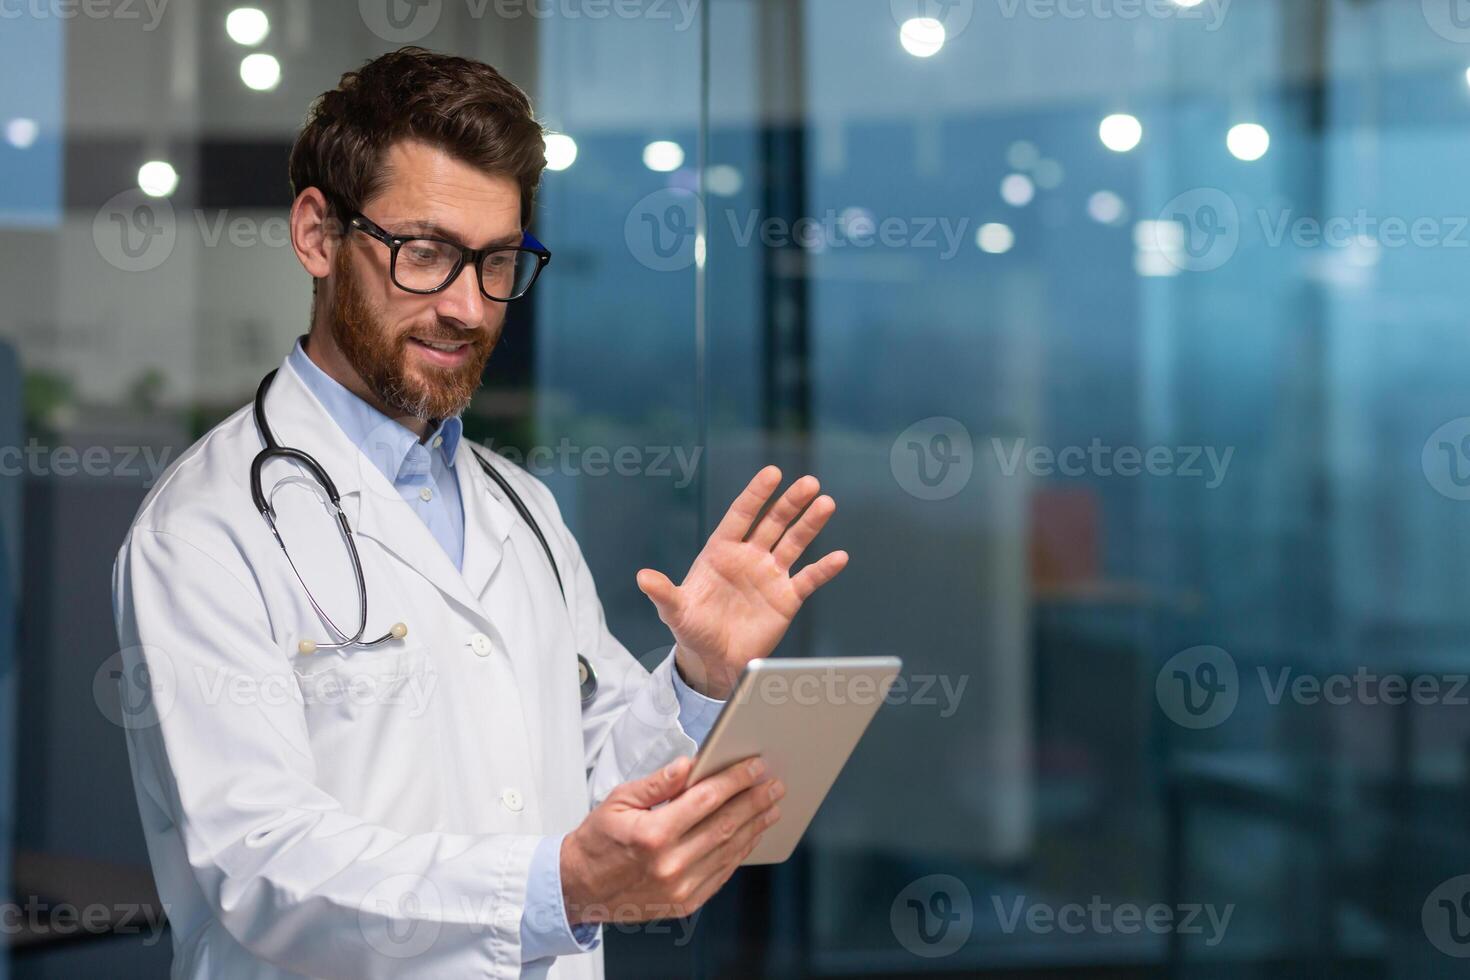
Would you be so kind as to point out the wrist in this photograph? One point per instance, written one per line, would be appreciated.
(697, 674)
(573, 888)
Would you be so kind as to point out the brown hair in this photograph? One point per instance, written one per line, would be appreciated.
(464, 107)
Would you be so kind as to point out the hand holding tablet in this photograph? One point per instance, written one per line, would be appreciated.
(803, 717)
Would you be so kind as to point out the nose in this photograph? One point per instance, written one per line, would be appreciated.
(462, 300)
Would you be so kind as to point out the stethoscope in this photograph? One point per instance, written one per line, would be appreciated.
(586, 676)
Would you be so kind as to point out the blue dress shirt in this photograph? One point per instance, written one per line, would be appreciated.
(423, 474)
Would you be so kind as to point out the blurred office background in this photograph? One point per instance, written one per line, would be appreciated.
(1129, 335)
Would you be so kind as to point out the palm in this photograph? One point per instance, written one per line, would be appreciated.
(739, 596)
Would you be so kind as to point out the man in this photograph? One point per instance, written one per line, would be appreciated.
(464, 773)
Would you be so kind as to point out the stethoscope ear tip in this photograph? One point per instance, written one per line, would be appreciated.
(399, 630)
(307, 647)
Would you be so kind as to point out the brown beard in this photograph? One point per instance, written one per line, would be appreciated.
(381, 359)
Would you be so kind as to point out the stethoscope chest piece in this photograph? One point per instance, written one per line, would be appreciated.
(587, 677)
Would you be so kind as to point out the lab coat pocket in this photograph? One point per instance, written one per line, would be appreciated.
(382, 684)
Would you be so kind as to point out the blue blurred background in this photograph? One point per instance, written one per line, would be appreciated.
(1129, 336)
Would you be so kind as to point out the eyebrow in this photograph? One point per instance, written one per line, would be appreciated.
(409, 229)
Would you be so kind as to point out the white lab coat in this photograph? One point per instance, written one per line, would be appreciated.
(370, 813)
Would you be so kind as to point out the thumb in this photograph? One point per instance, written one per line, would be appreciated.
(659, 589)
(664, 785)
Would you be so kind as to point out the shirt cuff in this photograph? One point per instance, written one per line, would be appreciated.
(544, 927)
(697, 713)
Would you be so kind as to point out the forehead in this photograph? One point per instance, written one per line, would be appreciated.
(425, 185)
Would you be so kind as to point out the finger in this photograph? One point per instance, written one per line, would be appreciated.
(800, 534)
(648, 792)
(717, 869)
(747, 506)
(708, 795)
(662, 592)
(745, 810)
(768, 531)
(818, 574)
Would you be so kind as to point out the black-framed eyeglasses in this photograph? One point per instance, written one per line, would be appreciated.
(424, 264)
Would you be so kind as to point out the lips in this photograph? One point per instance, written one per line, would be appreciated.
(445, 353)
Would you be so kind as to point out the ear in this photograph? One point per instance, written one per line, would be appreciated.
(315, 234)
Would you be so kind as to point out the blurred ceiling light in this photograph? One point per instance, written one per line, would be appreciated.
(21, 132)
(261, 72)
(1106, 208)
(663, 156)
(1188, 3)
(1467, 76)
(157, 178)
(1017, 190)
(561, 151)
(1049, 175)
(1120, 132)
(995, 239)
(1023, 154)
(247, 26)
(922, 37)
(723, 180)
(1248, 141)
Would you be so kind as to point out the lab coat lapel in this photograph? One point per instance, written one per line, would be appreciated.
(488, 519)
(369, 500)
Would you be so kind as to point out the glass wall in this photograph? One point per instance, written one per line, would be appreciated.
(1127, 335)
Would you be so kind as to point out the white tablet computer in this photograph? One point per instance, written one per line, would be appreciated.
(803, 717)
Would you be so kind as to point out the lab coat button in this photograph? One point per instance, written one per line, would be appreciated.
(511, 800)
(480, 643)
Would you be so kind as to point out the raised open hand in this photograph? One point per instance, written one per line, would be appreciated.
(739, 596)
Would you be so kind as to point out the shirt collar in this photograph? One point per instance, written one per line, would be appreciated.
(383, 440)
